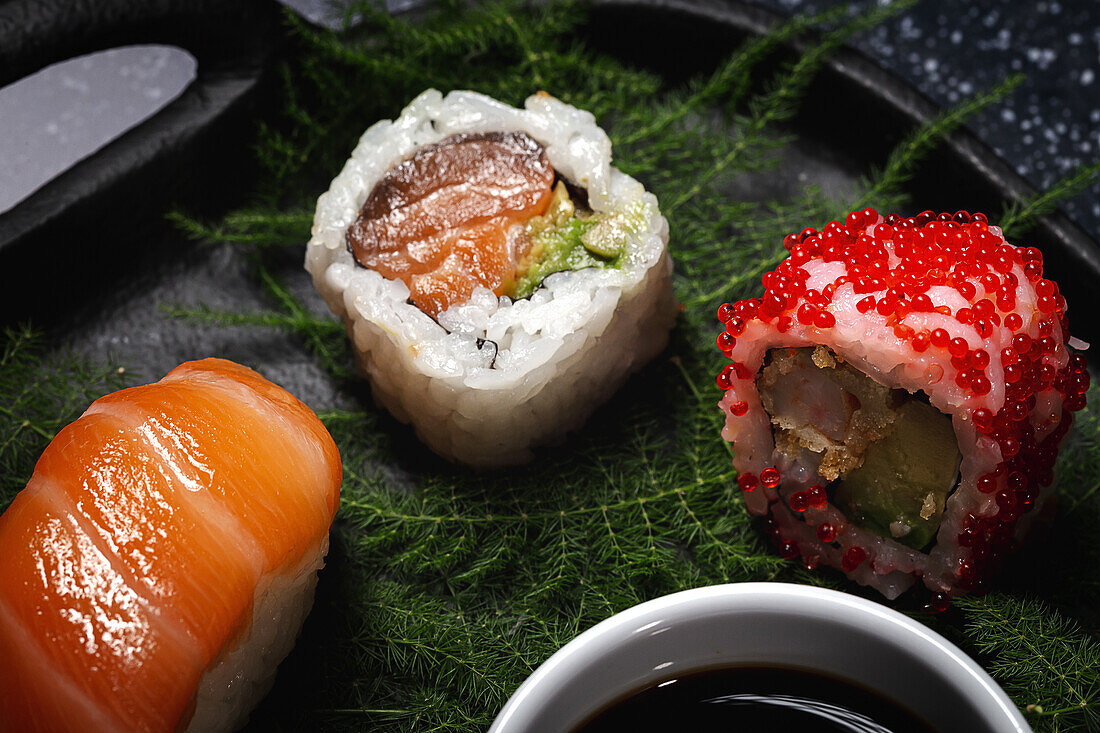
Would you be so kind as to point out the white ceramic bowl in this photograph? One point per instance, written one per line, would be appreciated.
(766, 624)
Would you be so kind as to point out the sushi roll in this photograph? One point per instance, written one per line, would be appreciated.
(897, 396)
(497, 276)
(162, 558)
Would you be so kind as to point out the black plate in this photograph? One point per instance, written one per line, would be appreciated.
(100, 226)
(195, 149)
(105, 262)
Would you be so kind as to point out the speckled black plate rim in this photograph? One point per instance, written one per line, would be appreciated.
(1072, 256)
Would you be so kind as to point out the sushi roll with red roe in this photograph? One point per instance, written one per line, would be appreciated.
(897, 397)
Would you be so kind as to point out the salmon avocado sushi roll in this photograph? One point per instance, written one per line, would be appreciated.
(162, 558)
(897, 396)
(498, 277)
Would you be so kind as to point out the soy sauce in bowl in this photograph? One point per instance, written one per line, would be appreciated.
(756, 698)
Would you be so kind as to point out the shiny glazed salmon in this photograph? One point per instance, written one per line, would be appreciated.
(151, 524)
(445, 220)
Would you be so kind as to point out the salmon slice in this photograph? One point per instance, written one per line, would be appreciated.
(445, 220)
(70, 618)
(134, 555)
(130, 501)
(250, 457)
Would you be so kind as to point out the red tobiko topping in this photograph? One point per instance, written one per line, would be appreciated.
(806, 313)
(979, 385)
(770, 477)
(983, 419)
(979, 358)
(948, 248)
(853, 558)
(939, 603)
(921, 342)
(1016, 411)
(967, 572)
(826, 532)
(1006, 499)
(964, 378)
(788, 550)
(890, 267)
(725, 378)
(921, 303)
(957, 347)
(817, 496)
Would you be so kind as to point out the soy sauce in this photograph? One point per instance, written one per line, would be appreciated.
(756, 699)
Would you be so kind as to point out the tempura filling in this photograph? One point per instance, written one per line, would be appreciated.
(889, 458)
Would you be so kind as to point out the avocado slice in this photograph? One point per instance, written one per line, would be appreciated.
(902, 486)
(567, 238)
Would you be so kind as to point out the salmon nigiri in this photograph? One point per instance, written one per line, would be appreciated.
(161, 560)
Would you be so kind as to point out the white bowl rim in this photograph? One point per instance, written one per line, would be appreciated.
(785, 596)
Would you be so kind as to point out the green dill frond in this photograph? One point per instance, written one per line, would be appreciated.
(259, 228)
(1045, 661)
(40, 393)
(730, 81)
(908, 154)
(780, 101)
(1017, 219)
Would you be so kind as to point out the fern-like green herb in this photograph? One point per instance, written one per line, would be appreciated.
(445, 587)
(39, 395)
(1019, 218)
(1047, 662)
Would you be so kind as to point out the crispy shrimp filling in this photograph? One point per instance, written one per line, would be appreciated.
(888, 458)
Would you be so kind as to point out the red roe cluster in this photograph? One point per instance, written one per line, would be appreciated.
(892, 262)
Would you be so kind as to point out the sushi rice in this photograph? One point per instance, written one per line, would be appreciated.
(236, 682)
(492, 377)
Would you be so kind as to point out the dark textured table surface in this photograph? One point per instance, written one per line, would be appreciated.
(953, 49)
